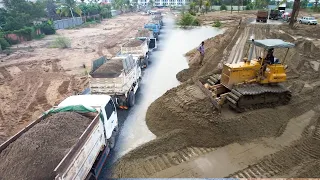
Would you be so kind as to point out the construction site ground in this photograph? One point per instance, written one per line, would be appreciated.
(34, 76)
(195, 140)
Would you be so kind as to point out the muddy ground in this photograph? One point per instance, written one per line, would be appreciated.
(34, 77)
(189, 129)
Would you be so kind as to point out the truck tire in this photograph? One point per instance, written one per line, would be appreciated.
(112, 140)
(131, 99)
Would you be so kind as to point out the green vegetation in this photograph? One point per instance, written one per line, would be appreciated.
(61, 42)
(4, 44)
(217, 24)
(188, 20)
(223, 7)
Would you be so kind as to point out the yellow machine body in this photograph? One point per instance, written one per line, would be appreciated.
(252, 71)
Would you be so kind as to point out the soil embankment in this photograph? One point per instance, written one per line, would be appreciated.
(37, 152)
(187, 112)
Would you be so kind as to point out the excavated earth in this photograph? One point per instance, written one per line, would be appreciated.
(37, 152)
(188, 127)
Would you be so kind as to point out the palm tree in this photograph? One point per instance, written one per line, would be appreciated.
(68, 7)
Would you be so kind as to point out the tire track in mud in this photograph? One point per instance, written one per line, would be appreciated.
(28, 103)
(115, 39)
(5, 73)
(236, 52)
(284, 160)
(154, 164)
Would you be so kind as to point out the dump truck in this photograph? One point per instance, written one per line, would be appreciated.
(253, 83)
(140, 50)
(146, 34)
(118, 77)
(86, 154)
(154, 27)
(158, 18)
(262, 16)
(274, 14)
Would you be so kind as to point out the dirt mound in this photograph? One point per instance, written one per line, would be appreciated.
(133, 43)
(214, 54)
(36, 153)
(111, 69)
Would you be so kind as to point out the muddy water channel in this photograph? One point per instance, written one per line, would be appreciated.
(160, 76)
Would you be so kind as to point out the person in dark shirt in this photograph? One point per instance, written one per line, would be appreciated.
(269, 58)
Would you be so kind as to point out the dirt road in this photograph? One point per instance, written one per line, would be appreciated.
(35, 76)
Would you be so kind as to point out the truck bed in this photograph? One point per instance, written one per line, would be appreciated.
(45, 141)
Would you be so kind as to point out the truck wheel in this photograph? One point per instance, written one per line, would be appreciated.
(112, 140)
(308, 23)
(300, 22)
(131, 99)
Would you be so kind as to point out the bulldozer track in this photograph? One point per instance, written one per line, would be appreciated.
(273, 165)
(5, 73)
(254, 96)
(161, 162)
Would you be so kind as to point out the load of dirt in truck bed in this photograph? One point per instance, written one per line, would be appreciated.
(133, 43)
(111, 69)
(38, 151)
(143, 33)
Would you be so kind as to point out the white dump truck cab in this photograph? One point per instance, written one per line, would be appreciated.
(86, 158)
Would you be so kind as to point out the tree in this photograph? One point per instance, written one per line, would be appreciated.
(20, 13)
(295, 12)
(69, 7)
(207, 6)
(118, 4)
(151, 3)
(316, 4)
(51, 10)
(192, 8)
(304, 3)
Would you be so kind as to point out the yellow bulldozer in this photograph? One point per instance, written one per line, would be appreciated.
(252, 83)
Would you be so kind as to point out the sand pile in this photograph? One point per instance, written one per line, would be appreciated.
(143, 33)
(110, 69)
(133, 43)
(36, 153)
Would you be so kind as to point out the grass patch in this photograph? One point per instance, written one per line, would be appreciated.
(217, 24)
(61, 42)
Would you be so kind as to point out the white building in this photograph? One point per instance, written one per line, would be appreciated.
(1, 4)
(164, 2)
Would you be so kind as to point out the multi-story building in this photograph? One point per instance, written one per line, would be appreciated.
(164, 2)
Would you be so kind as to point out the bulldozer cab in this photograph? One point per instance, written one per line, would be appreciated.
(272, 67)
(268, 45)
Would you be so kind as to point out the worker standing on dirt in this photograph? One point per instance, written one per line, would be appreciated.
(201, 50)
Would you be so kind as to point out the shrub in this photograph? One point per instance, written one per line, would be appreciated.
(61, 42)
(27, 33)
(47, 28)
(217, 24)
(223, 7)
(4, 44)
(188, 20)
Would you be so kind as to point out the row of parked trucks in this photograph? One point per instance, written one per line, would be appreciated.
(113, 84)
